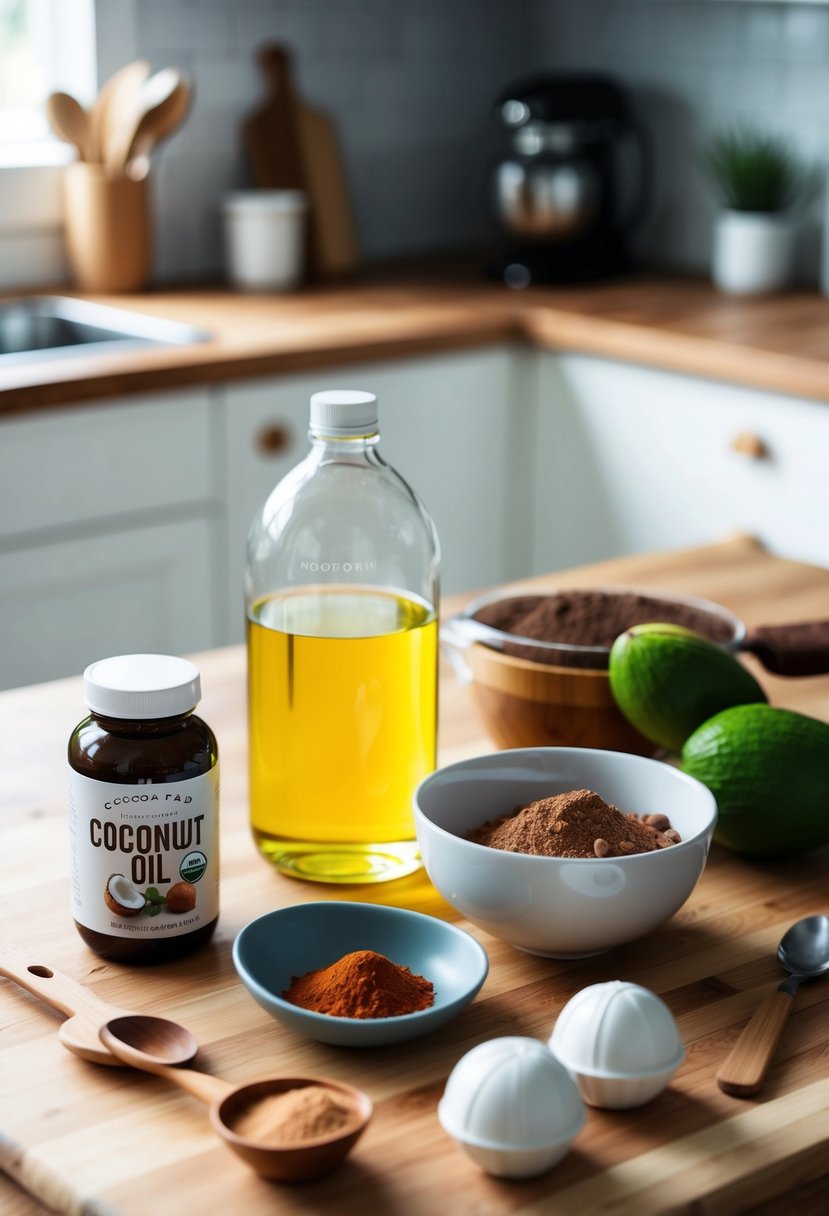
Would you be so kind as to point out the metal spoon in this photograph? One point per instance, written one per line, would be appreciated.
(133, 1042)
(88, 1013)
(804, 952)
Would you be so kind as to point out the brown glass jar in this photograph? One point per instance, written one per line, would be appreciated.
(143, 812)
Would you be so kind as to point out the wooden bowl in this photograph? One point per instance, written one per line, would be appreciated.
(527, 704)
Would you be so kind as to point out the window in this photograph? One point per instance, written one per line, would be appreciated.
(45, 45)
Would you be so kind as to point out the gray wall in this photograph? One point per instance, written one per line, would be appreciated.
(411, 83)
(695, 66)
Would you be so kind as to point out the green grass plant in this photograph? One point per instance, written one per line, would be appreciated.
(753, 170)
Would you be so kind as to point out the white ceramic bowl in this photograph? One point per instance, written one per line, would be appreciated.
(512, 1107)
(619, 1042)
(554, 906)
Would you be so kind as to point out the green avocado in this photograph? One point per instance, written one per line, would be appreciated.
(667, 680)
(768, 769)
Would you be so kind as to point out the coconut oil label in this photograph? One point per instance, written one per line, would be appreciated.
(145, 858)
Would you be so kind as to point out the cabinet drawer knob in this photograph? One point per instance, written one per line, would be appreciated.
(273, 439)
(750, 445)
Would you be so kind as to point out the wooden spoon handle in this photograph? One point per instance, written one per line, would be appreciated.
(55, 989)
(791, 650)
(200, 1084)
(744, 1070)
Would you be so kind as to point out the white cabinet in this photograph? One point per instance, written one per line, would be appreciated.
(123, 524)
(631, 459)
(458, 427)
(110, 534)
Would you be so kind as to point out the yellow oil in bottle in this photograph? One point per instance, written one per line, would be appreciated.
(342, 691)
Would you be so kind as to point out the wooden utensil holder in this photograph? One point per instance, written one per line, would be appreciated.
(107, 229)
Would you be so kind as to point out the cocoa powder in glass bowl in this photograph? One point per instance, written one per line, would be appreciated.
(587, 622)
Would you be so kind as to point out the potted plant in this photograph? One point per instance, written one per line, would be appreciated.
(759, 180)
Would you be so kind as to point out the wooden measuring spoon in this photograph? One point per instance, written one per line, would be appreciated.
(134, 1043)
(87, 1012)
(69, 121)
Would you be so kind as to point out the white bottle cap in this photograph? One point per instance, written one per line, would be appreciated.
(142, 686)
(343, 412)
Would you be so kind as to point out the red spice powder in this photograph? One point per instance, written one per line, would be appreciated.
(362, 984)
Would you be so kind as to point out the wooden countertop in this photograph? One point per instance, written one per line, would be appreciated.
(139, 1146)
(780, 343)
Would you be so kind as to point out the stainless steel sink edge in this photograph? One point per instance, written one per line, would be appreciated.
(34, 328)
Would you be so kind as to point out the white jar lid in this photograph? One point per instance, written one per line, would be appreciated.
(142, 686)
(343, 412)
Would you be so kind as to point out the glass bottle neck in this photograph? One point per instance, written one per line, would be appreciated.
(342, 448)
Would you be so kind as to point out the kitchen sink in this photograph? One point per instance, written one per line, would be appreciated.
(50, 327)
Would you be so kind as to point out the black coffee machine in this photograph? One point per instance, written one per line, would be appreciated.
(556, 188)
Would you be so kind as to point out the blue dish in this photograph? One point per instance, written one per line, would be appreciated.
(277, 946)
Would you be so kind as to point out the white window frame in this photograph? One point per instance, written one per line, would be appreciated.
(93, 38)
(67, 35)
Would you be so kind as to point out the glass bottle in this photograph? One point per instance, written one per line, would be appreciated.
(143, 811)
(342, 585)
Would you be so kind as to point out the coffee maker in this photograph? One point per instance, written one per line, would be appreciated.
(557, 186)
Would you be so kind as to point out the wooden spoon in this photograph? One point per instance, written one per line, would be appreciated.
(116, 98)
(88, 1013)
(156, 127)
(130, 1039)
(69, 121)
(161, 106)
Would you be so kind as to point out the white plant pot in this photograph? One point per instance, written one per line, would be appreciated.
(753, 252)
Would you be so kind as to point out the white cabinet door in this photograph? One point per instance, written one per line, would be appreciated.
(111, 535)
(458, 427)
(100, 462)
(631, 459)
(65, 604)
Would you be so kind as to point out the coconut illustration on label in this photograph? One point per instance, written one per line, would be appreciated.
(121, 897)
(181, 897)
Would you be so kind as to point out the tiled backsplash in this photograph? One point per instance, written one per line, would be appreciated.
(409, 82)
(411, 85)
(694, 66)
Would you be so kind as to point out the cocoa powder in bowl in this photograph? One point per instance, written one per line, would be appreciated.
(578, 823)
(589, 618)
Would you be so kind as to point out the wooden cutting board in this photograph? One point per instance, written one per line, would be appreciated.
(271, 132)
(294, 146)
(139, 1146)
(334, 230)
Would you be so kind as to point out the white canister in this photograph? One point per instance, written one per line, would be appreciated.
(265, 238)
(753, 252)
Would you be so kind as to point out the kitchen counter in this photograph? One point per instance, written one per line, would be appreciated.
(780, 343)
(139, 1146)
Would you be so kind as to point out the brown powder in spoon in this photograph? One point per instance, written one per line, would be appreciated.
(306, 1113)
